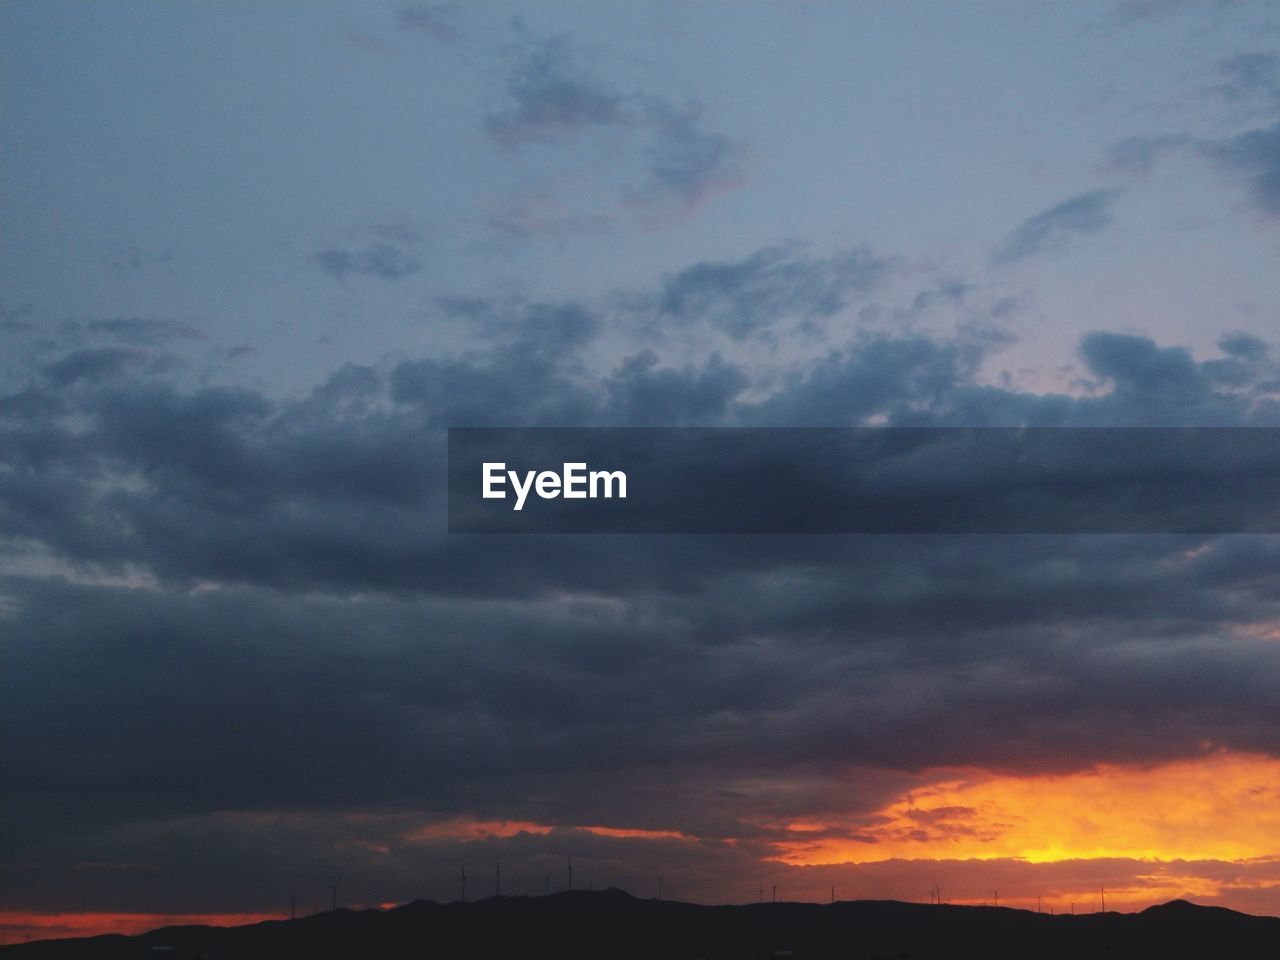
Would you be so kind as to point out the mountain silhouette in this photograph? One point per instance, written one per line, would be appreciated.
(612, 924)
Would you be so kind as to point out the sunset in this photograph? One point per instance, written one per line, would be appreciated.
(510, 466)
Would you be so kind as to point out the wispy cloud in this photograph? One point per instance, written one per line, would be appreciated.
(390, 253)
(688, 163)
(1139, 155)
(438, 21)
(551, 96)
(1253, 157)
(1051, 229)
(1247, 77)
(383, 260)
(772, 286)
(553, 100)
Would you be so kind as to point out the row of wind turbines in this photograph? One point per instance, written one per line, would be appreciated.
(935, 892)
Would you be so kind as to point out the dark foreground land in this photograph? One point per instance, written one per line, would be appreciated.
(613, 924)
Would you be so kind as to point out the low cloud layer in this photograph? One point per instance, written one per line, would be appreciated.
(257, 598)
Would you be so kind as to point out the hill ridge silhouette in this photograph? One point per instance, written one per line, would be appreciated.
(615, 924)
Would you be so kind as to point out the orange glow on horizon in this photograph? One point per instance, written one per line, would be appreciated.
(19, 927)
(1124, 898)
(1223, 807)
(1206, 829)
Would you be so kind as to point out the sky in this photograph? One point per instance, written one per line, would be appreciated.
(255, 259)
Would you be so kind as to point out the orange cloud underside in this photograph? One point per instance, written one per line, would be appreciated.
(462, 828)
(466, 829)
(636, 834)
(1224, 807)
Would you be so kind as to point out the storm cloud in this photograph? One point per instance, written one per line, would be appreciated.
(268, 605)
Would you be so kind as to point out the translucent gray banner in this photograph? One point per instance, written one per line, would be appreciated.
(864, 480)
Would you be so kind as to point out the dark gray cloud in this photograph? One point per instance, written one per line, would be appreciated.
(944, 291)
(144, 331)
(92, 364)
(642, 392)
(560, 326)
(1050, 229)
(222, 484)
(161, 341)
(1129, 12)
(134, 257)
(689, 162)
(1254, 158)
(1139, 155)
(381, 259)
(552, 97)
(439, 21)
(1250, 76)
(877, 376)
(18, 319)
(1244, 346)
(746, 692)
(1167, 378)
(760, 293)
(283, 621)
(1250, 84)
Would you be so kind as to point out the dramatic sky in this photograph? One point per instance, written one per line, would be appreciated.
(257, 257)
